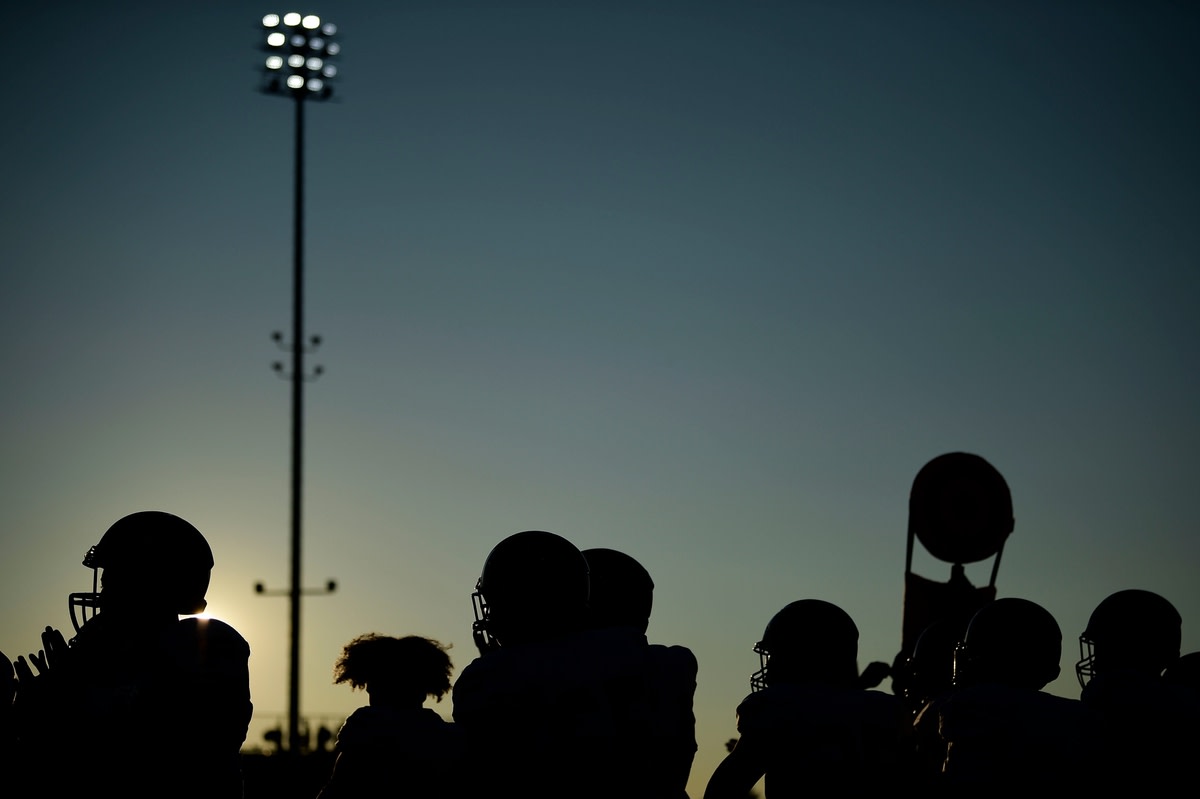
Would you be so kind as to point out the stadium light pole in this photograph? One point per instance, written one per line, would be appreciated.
(300, 48)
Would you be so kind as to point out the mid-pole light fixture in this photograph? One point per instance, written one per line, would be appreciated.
(300, 51)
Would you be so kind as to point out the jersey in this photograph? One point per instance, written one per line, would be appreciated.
(141, 713)
(1000, 737)
(1150, 730)
(661, 716)
(810, 737)
(598, 713)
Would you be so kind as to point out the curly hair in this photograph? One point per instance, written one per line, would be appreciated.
(417, 663)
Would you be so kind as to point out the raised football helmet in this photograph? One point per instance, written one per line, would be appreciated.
(1130, 630)
(622, 591)
(809, 639)
(960, 508)
(534, 586)
(1010, 641)
(149, 559)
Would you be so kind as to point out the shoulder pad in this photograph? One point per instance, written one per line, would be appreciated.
(213, 637)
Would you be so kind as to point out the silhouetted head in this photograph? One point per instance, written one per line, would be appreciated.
(149, 564)
(810, 640)
(622, 592)
(960, 508)
(1132, 630)
(929, 670)
(1009, 641)
(534, 587)
(395, 671)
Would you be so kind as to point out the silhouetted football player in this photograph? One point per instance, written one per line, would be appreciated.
(140, 703)
(1002, 732)
(807, 726)
(658, 708)
(928, 682)
(545, 708)
(1151, 726)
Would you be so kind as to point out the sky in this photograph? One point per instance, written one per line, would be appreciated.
(704, 282)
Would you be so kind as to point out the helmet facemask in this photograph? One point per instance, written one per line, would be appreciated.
(484, 641)
(758, 680)
(962, 671)
(88, 602)
(1085, 669)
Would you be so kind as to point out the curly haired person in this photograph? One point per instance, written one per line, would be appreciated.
(394, 741)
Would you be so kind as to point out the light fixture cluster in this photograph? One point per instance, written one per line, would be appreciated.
(300, 49)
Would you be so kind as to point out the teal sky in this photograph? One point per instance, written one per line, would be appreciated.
(706, 282)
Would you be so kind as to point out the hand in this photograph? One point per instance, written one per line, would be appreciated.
(53, 653)
(33, 692)
(8, 694)
(23, 672)
(875, 673)
(25, 700)
(8, 682)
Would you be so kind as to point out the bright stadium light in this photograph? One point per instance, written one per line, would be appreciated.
(305, 43)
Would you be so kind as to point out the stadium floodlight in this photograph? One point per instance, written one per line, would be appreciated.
(299, 47)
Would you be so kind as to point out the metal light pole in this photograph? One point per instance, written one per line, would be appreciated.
(298, 67)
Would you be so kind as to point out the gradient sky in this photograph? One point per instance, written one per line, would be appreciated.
(704, 282)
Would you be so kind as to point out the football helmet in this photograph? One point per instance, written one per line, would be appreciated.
(809, 639)
(534, 586)
(1010, 641)
(150, 559)
(929, 670)
(621, 590)
(960, 508)
(1130, 630)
